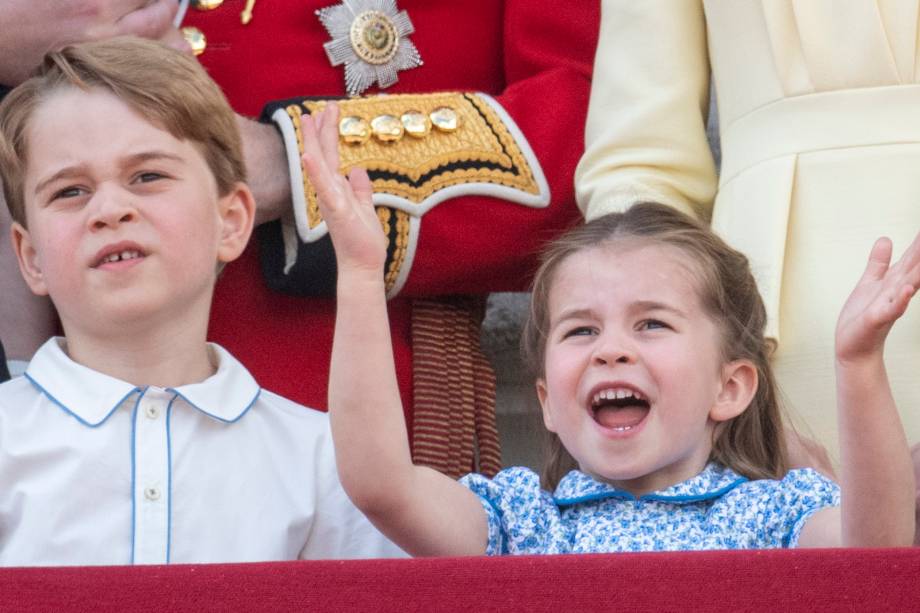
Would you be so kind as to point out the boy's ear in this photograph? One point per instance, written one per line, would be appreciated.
(237, 212)
(29, 261)
(739, 384)
(542, 396)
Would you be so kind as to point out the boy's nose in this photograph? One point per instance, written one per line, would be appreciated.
(110, 209)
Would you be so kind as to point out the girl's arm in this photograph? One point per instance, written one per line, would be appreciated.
(877, 484)
(420, 509)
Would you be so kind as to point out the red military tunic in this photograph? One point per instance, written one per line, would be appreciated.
(533, 56)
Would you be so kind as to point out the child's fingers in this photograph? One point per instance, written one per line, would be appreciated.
(911, 256)
(879, 259)
(311, 144)
(329, 135)
(361, 185)
(325, 180)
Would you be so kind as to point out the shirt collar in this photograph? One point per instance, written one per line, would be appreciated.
(91, 397)
(714, 481)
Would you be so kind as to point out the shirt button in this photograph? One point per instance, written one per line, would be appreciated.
(152, 493)
(152, 411)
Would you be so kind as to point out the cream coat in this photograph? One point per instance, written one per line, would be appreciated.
(819, 114)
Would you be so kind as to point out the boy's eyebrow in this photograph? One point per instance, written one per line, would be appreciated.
(136, 158)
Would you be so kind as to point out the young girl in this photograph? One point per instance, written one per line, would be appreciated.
(646, 335)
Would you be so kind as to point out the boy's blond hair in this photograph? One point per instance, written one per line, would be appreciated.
(168, 88)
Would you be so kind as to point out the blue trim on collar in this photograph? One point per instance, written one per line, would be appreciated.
(698, 497)
(700, 485)
(212, 415)
(71, 412)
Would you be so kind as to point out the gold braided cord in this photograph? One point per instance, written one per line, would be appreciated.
(454, 428)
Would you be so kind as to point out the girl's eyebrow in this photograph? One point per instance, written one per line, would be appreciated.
(653, 305)
(78, 169)
(572, 314)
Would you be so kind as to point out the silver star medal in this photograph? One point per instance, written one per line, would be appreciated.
(371, 38)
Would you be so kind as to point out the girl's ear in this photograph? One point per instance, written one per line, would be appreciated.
(237, 213)
(29, 261)
(542, 396)
(739, 384)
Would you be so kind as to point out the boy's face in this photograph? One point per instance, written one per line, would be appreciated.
(124, 220)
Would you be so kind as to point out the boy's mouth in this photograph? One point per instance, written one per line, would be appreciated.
(619, 408)
(118, 253)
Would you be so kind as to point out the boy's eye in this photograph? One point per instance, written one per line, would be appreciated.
(653, 324)
(68, 192)
(147, 177)
(580, 331)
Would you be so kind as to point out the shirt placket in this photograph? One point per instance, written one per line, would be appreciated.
(150, 452)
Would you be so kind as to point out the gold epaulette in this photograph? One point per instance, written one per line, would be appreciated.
(419, 150)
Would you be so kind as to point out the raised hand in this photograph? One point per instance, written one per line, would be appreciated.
(881, 296)
(346, 205)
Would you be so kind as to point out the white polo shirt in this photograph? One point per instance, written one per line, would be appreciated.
(94, 470)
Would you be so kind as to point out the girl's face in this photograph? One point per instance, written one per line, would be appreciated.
(634, 380)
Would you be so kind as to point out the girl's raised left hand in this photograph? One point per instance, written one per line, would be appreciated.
(881, 296)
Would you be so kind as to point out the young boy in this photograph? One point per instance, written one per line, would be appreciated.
(131, 439)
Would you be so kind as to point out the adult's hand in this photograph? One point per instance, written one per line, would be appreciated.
(31, 28)
(266, 168)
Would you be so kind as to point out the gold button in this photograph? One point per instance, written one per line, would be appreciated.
(195, 38)
(445, 119)
(387, 128)
(206, 5)
(354, 130)
(416, 123)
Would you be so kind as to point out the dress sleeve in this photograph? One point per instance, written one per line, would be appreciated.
(800, 494)
(645, 135)
(522, 517)
(468, 216)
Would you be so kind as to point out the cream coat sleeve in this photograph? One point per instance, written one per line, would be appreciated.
(645, 136)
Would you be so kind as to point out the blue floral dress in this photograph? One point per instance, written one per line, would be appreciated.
(717, 509)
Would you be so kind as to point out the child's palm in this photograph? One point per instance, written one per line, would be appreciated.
(879, 299)
(345, 204)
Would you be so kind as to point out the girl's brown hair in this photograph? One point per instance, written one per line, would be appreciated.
(751, 443)
(168, 88)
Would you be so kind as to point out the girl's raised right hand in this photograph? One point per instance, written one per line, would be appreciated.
(881, 296)
(346, 204)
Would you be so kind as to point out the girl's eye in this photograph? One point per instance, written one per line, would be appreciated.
(579, 331)
(653, 324)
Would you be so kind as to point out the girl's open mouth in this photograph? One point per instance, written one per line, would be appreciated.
(619, 409)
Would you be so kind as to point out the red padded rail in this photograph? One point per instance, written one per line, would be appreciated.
(807, 580)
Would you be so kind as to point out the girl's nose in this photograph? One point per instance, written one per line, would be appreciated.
(110, 208)
(613, 349)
